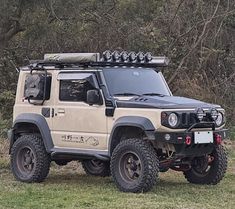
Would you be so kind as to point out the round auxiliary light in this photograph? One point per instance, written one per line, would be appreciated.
(132, 56)
(218, 139)
(214, 113)
(173, 120)
(219, 119)
(140, 57)
(124, 56)
(115, 56)
(107, 55)
(200, 114)
(167, 137)
(148, 57)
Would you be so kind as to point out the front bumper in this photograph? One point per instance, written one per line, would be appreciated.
(178, 139)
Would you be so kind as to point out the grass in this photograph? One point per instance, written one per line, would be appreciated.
(69, 187)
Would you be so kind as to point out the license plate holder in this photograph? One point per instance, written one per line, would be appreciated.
(203, 137)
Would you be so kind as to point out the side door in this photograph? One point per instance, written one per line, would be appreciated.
(76, 124)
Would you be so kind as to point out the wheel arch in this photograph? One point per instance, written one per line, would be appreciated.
(31, 123)
(134, 126)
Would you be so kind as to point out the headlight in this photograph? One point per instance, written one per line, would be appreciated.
(219, 119)
(173, 120)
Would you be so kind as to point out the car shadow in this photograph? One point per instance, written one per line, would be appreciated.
(77, 179)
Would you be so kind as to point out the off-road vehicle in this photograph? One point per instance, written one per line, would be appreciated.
(116, 114)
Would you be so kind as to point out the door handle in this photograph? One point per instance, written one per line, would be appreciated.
(61, 111)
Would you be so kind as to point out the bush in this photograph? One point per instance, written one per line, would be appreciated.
(6, 100)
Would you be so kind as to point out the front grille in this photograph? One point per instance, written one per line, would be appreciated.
(184, 119)
(187, 119)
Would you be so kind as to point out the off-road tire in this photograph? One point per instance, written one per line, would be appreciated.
(149, 165)
(216, 172)
(61, 162)
(91, 169)
(163, 170)
(41, 158)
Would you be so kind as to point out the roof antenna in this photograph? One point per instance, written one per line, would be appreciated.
(14, 65)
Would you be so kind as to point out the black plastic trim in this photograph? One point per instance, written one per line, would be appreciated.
(80, 154)
(135, 121)
(42, 125)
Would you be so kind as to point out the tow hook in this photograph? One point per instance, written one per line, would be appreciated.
(210, 159)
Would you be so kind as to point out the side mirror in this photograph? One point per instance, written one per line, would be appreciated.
(93, 97)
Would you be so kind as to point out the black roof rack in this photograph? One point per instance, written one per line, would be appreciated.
(85, 60)
(40, 65)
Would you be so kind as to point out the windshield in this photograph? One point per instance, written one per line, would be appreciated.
(135, 81)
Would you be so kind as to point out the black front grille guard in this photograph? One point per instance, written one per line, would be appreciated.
(201, 123)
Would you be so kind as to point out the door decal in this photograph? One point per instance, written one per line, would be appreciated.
(90, 140)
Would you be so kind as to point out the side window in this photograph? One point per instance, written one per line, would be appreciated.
(75, 90)
(35, 85)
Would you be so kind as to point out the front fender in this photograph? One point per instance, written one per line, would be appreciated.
(135, 121)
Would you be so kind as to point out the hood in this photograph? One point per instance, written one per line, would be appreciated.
(164, 102)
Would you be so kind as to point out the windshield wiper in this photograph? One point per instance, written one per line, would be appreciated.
(126, 94)
(153, 94)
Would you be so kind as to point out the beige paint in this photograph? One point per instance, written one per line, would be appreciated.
(76, 125)
(80, 120)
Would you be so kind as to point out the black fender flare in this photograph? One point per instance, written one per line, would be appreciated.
(39, 121)
(135, 121)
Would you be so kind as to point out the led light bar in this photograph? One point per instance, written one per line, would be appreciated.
(107, 55)
(132, 56)
(140, 57)
(148, 57)
(124, 56)
(108, 58)
(115, 56)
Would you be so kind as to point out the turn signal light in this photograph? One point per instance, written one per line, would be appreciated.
(218, 139)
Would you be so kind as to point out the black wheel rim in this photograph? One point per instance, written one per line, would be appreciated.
(25, 161)
(130, 167)
(201, 166)
(96, 163)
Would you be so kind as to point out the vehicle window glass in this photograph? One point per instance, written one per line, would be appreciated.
(74, 90)
(74, 76)
(135, 81)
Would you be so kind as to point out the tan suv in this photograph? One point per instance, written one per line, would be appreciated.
(115, 114)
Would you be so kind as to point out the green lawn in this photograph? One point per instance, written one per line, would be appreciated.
(69, 187)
